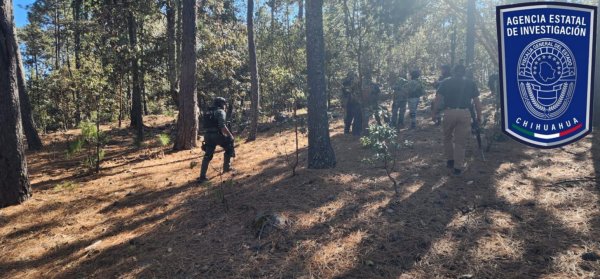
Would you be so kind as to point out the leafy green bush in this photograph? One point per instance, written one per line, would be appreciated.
(383, 141)
(163, 139)
(92, 141)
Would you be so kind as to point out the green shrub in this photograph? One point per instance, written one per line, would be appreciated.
(67, 185)
(383, 141)
(92, 141)
(163, 139)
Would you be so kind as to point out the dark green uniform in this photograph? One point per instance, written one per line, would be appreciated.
(414, 90)
(353, 117)
(371, 93)
(214, 137)
(399, 103)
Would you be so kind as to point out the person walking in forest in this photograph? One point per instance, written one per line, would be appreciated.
(216, 133)
(445, 72)
(414, 91)
(353, 116)
(370, 96)
(399, 100)
(457, 94)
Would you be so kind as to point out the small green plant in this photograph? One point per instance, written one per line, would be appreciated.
(74, 147)
(170, 112)
(193, 164)
(92, 141)
(164, 139)
(383, 141)
(67, 185)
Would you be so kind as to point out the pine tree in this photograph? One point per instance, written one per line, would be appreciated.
(187, 121)
(320, 152)
(255, 90)
(14, 183)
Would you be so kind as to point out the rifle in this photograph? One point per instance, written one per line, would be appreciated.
(477, 130)
(229, 142)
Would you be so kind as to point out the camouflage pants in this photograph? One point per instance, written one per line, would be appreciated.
(212, 140)
(413, 104)
(398, 111)
(353, 118)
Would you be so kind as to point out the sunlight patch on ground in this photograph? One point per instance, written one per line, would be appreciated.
(500, 220)
(497, 246)
(446, 246)
(568, 264)
(566, 206)
(408, 190)
(371, 209)
(514, 189)
(576, 219)
(320, 214)
(336, 257)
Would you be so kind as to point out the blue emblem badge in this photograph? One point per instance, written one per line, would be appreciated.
(546, 71)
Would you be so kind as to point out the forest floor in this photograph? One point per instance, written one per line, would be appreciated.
(523, 213)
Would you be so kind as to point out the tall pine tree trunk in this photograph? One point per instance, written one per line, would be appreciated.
(33, 139)
(470, 47)
(254, 87)
(320, 152)
(178, 38)
(300, 10)
(77, 33)
(57, 35)
(136, 98)
(142, 54)
(14, 183)
(187, 121)
(171, 47)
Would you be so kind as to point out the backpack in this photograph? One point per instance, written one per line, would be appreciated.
(399, 90)
(414, 89)
(209, 119)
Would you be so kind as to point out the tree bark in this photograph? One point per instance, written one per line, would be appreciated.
(320, 152)
(187, 121)
(178, 39)
(254, 79)
(137, 121)
(470, 47)
(171, 47)
(301, 10)
(77, 32)
(57, 35)
(14, 183)
(33, 139)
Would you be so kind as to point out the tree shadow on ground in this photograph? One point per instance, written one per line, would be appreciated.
(345, 222)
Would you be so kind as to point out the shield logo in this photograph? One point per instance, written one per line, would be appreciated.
(546, 53)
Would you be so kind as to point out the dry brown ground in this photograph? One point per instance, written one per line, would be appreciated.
(144, 217)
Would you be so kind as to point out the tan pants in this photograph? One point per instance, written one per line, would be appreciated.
(456, 125)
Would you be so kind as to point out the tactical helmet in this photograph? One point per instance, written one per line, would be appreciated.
(219, 102)
(459, 70)
(414, 74)
(446, 68)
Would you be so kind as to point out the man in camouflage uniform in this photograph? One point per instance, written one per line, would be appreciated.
(370, 96)
(399, 100)
(353, 117)
(216, 133)
(414, 90)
